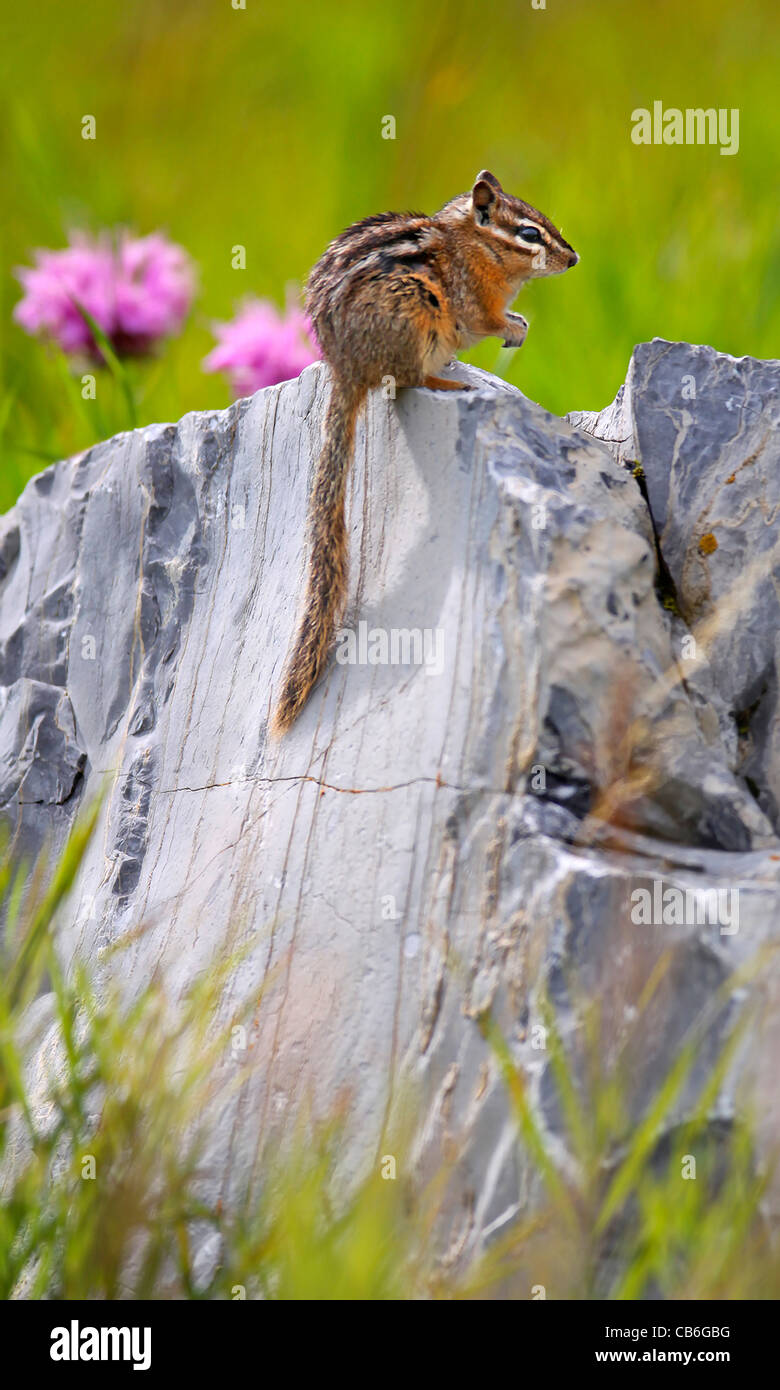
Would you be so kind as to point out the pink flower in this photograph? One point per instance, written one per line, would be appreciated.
(137, 289)
(262, 346)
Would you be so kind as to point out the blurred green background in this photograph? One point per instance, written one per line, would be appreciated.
(262, 126)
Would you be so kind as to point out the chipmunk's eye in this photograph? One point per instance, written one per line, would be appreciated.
(528, 232)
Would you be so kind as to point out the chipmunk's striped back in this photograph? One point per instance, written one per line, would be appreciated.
(374, 260)
(375, 246)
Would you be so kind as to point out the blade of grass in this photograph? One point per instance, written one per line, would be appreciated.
(114, 364)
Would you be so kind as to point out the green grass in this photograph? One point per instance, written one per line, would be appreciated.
(103, 1151)
(263, 127)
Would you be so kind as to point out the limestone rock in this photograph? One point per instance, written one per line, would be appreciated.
(509, 743)
(706, 429)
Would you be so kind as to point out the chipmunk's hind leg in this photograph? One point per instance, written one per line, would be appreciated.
(437, 339)
(442, 383)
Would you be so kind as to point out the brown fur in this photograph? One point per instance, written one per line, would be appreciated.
(326, 586)
(396, 296)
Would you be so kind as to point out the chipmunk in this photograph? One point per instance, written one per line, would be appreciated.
(396, 295)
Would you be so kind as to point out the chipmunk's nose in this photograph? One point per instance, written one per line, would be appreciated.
(573, 259)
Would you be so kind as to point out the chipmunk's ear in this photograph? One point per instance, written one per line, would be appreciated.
(483, 194)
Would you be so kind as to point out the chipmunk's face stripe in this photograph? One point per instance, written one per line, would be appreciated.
(528, 234)
(522, 234)
(512, 222)
(533, 238)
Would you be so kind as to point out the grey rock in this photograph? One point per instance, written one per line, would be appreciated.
(706, 429)
(434, 841)
(40, 759)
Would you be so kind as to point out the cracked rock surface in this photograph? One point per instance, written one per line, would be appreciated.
(433, 839)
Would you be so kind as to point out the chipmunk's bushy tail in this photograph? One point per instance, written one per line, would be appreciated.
(326, 581)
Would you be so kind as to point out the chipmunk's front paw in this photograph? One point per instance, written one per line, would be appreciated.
(518, 330)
